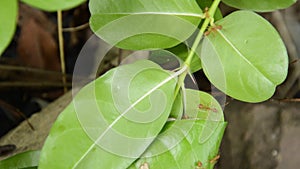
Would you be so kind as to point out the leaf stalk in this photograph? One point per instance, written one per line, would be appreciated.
(209, 19)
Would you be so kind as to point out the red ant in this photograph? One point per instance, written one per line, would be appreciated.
(201, 106)
(213, 29)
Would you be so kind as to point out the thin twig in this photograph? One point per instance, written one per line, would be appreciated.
(33, 84)
(120, 56)
(41, 72)
(31, 70)
(294, 61)
(61, 48)
(77, 28)
(290, 100)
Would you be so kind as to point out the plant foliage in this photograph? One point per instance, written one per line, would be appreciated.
(153, 24)
(54, 5)
(261, 6)
(26, 160)
(8, 20)
(140, 115)
(236, 62)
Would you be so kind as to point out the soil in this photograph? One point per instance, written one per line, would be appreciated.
(261, 136)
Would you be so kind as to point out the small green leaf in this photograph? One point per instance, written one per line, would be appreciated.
(246, 59)
(260, 5)
(206, 108)
(166, 59)
(188, 152)
(177, 109)
(144, 24)
(185, 143)
(54, 5)
(27, 159)
(182, 51)
(8, 21)
(112, 120)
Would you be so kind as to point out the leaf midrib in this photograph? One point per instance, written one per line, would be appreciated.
(242, 56)
(172, 76)
(152, 13)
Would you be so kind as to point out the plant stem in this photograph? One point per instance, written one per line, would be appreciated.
(77, 28)
(211, 13)
(208, 18)
(61, 48)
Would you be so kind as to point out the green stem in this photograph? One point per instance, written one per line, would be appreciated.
(211, 13)
(207, 21)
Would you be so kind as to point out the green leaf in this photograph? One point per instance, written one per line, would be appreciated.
(177, 109)
(259, 5)
(166, 59)
(182, 51)
(8, 21)
(188, 152)
(112, 120)
(54, 5)
(182, 140)
(246, 59)
(24, 160)
(144, 24)
(206, 108)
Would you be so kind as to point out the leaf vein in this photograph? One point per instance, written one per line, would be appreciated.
(242, 56)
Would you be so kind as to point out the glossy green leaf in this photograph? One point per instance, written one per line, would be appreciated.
(182, 51)
(166, 59)
(177, 109)
(206, 108)
(112, 120)
(8, 21)
(182, 140)
(54, 5)
(189, 152)
(246, 59)
(144, 24)
(24, 160)
(259, 5)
